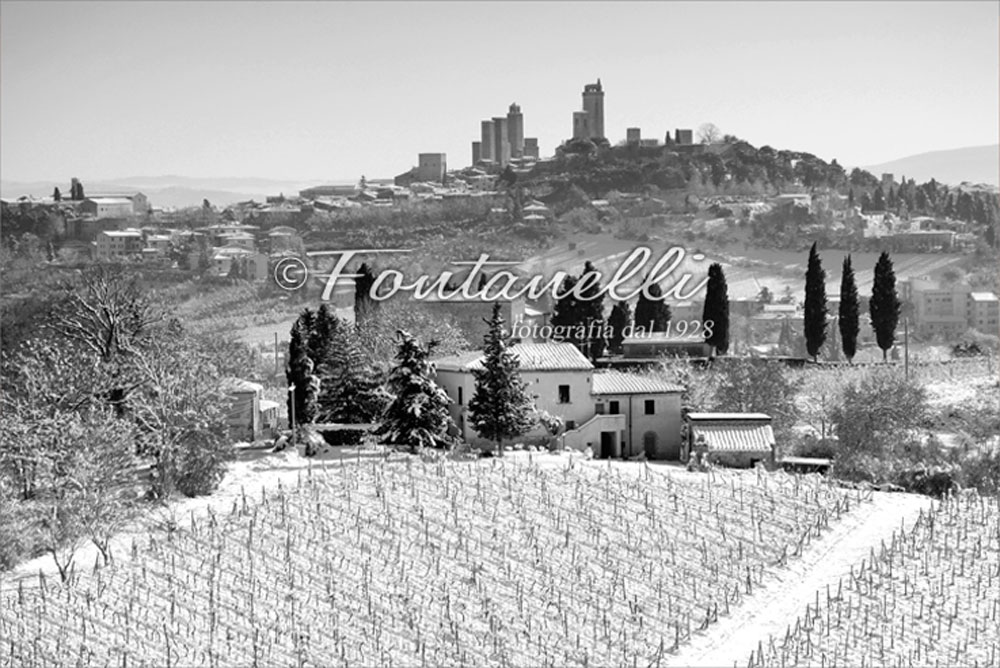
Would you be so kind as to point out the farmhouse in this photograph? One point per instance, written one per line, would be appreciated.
(731, 439)
(613, 413)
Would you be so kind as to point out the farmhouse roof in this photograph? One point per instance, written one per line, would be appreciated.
(616, 382)
(736, 437)
(983, 297)
(728, 417)
(110, 200)
(532, 356)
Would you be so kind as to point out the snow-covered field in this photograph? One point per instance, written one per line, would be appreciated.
(370, 557)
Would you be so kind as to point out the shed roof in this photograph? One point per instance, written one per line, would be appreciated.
(616, 382)
(736, 437)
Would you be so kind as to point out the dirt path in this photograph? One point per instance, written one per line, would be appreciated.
(787, 590)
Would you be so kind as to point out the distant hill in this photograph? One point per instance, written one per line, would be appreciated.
(170, 191)
(975, 164)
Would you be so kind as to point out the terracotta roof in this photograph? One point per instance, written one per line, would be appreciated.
(616, 382)
(533, 357)
(736, 437)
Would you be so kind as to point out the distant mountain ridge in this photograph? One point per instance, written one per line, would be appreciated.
(974, 164)
(173, 191)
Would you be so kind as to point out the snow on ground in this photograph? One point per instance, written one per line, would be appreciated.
(255, 472)
(954, 392)
(771, 609)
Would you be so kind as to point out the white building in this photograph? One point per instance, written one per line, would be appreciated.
(613, 413)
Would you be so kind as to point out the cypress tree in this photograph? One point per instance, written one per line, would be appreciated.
(500, 407)
(364, 305)
(618, 322)
(814, 321)
(591, 314)
(417, 416)
(566, 315)
(884, 305)
(716, 310)
(56, 195)
(847, 316)
(652, 313)
(299, 373)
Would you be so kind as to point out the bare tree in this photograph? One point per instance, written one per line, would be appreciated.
(709, 133)
(108, 313)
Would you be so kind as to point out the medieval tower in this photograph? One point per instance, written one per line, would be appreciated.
(593, 104)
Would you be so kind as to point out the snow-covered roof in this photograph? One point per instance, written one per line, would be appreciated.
(983, 297)
(616, 382)
(549, 356)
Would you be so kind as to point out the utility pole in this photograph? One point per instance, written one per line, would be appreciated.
(276, 370)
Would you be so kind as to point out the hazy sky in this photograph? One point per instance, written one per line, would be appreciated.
(333, 90)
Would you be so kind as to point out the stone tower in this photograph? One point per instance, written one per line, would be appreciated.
(501, 141)
(581, 125)
(515, 130)
(486, 143)
(593, 104)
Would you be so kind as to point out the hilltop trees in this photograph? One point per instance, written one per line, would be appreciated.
(417, 416)
(501, 407)
(618, 322)
(814, 320)
(847, 316)
(715, 315)
(884, 305)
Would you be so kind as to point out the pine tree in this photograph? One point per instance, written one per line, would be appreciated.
(500, 407)
(814, 321)
(364, 305)
(715, 315)
(591, 314)
(652, 313)
(618, 322)
(847, 316)
(417, 416)
(566, 316)
(884, 305)
(351, 388)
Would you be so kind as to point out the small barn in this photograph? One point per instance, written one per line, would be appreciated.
(738, 440)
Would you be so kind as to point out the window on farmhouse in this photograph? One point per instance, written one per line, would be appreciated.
(564, 394)
(650, 407)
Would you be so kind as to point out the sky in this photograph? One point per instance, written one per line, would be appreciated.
(334, 90)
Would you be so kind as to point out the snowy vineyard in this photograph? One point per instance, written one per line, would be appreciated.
(420, 563)
(931, 597)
